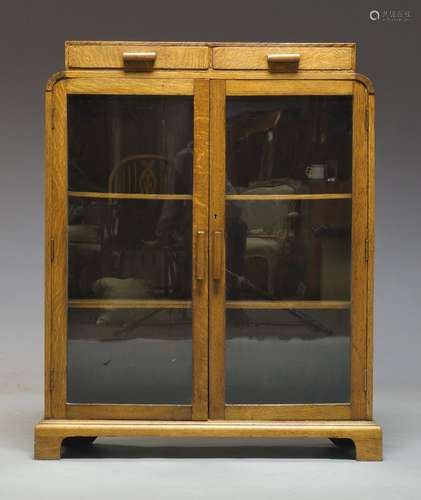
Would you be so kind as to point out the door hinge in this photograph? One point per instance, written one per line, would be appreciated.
(365, 380)
(366, 119)
(51, 383)
(367, 249)
(52, 250)
(53, 117)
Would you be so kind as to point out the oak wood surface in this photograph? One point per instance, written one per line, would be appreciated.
(129, 411)
(280, 197)
(217, 226)
(213, 74)
(48, 251)
(371, 254)
(358, 256)
(129, 304)
(200, 288)
(111, 56)
(288, 412)
(287, 304)
(129, 196)
(58, 353)
(288, 87)
(311, 58)
(366, 435)
(123, 86)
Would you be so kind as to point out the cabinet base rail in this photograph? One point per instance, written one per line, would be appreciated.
(366, 435)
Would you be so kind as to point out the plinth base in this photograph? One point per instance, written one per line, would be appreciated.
(366, 435)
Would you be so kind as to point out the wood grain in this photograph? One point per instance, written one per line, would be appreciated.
(367, 436)
(129, 411)
(111, 56)
(288, 412)
(311, 58)
(280, 197)
(200, 288)
(129, 304)
(214, 75)
(287, 304)
(58, 227)
(47, 250)
(124, 86)
(129, 196)
(217, 225)
(288, 87)
(371, 252)
(358, 258)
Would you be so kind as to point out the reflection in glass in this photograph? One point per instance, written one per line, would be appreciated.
(129, 356)
(129, 249)
(303, 142)
(295, 249)
(130, 144)
(287, 356)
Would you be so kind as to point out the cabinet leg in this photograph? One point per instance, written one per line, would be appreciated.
(47, 448)
(369, 449)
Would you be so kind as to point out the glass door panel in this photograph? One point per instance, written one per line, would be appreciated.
(288, 249)
(137, 356)
(134, 287)
(292, 247)
(290, 356)
(288, 144)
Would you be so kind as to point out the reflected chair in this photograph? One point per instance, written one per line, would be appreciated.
(270, 234)
(142, 174)
(155, 261)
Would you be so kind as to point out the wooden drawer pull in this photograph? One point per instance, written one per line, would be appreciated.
(139, 57)
(283, 58)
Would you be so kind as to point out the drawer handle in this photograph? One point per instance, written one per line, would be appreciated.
(283, 58)
(200, 255)
(217, 255)
(139, 57)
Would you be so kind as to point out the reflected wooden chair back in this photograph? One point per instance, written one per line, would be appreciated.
(141, 174)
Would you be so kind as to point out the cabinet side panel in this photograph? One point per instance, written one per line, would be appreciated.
(371, 239)
(47, 252)
(359, 263)
(58, 366)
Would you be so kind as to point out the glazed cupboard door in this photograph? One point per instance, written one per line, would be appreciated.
(128, 237)
(288, 232)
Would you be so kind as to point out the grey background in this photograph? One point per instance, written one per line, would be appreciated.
(32, 35)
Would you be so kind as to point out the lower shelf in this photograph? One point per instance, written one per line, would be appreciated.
(366, 435)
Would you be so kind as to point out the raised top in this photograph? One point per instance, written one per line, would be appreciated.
(212, 55)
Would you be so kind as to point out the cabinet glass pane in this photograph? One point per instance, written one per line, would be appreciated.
(130, 144)
(289, 144)
(294, 249)
(129, 356)
(287, 356)
(129, 249)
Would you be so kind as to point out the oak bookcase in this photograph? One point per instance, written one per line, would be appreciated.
(209, 244)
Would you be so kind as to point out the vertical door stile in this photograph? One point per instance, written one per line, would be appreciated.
(200, 287)
(216, 225)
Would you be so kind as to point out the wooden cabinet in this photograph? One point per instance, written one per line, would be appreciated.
(209, 244)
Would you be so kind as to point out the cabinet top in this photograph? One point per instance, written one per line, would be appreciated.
(266, 56)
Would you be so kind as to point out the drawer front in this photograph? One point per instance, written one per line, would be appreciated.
(288, 58)
(111, 56)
